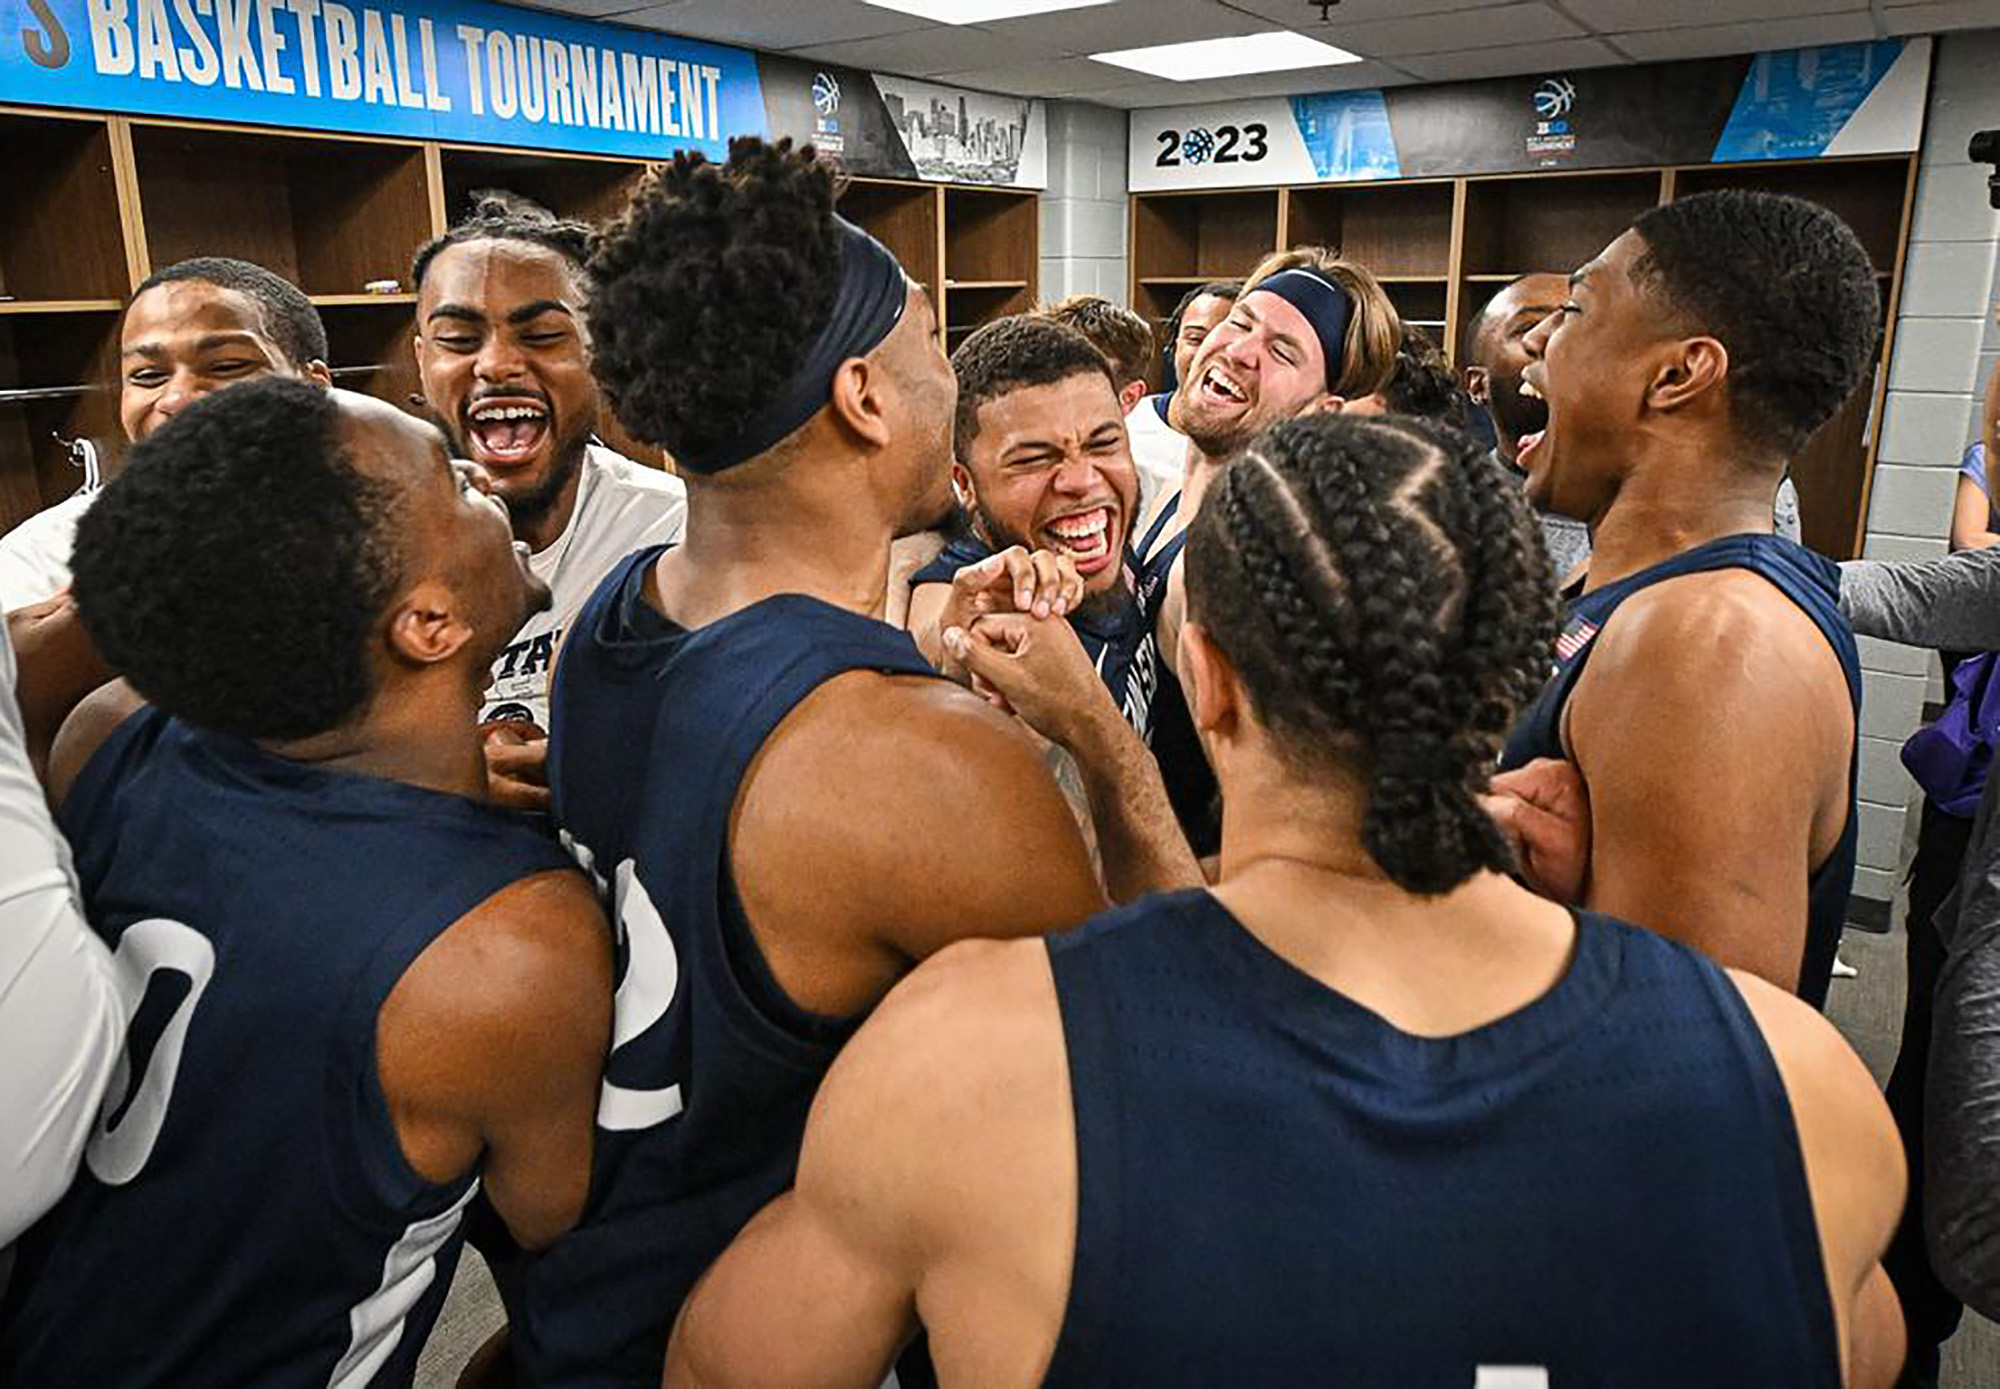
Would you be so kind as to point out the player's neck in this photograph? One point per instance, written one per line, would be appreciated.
(1197, 477)
(425, 734)
(1678, 497)
(540, 532)
(746, 545)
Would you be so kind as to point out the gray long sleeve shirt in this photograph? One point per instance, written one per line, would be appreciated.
(1954, 603)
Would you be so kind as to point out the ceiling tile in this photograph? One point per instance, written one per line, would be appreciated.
(1101, 28)
(1943, 14)
(927, 52)
(1294, 14)
(1450, 33)
(771, 23)
(1617, 16)
(1511, 61)
(1710, 42)
(1347, 77)
(1078, 77)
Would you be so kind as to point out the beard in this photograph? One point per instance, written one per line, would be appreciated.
(1094, 604)
(527, 508)
(1514, 415)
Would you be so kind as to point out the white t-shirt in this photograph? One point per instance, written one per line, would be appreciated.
(34, 556)
(1159, 452)
(61, 1020)
(621, 506)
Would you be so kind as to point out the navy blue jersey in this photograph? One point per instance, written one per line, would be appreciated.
(245, 1215)
(1119, 641)
(1809, 580)
(1277, 1187)
(713, 1067)
(1190, 781)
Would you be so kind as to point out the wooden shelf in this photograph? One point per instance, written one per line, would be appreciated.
(985, 284)
(61, 235)
(349, 301)
(19, 306)
(61, 364)
(1443, 248)
(588, 188)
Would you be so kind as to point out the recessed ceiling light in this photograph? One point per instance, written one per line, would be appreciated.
(979, 11)
(1190, 62)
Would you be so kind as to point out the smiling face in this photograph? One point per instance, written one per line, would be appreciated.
(1050, 469)
(1592, 362)
(182, 339)
(1260, 365)
(1196, 324)
(504, 358)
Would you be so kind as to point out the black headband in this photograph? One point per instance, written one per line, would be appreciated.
(866, 307)
(1325, 305)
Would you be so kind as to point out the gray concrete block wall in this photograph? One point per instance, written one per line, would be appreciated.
(1946, 346)
(1084, 208)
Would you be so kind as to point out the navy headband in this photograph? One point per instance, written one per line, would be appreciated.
(1326, 306)
(867, 306)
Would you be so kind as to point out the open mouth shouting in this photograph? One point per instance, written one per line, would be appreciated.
(1530, 442)
(1219, 388)
(506, 432)
(1091, 538)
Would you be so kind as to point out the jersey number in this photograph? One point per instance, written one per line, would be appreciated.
(135, 1109)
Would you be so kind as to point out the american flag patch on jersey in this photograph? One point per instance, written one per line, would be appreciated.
(1574, 638)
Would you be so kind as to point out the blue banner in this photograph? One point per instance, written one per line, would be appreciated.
(429, 69)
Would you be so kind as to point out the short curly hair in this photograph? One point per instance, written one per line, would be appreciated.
(710, 290)
(289, 317)
(498, 215)
(237, 567)
(1010, 354)
(1382, 592)
(1786, 288)
(1122, 336)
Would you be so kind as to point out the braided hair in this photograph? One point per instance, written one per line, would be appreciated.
(1382, 592)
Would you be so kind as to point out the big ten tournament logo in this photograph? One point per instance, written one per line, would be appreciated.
(1226, 144)
(1553, 138)
(826, 109)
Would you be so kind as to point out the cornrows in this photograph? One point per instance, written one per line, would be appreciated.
(1383, 595)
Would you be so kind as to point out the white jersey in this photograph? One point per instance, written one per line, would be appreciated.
(1159, 452)
(34, 556)
(621, 506)
(61, 1020)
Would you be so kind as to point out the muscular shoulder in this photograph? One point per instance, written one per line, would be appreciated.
(1713, 625)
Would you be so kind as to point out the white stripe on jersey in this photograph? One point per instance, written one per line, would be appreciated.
(376, 1323)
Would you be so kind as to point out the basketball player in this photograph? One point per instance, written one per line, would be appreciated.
(1040, 463)
(1309, 333)
(358, 996)
(505, 360)
(191, 328)
(1366, 1113)
(1159, 451)
(756, 766)
(1121, 335)
(1707, 687)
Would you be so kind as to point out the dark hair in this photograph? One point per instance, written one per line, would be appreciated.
(498, 215)
(1121, 335)
(1784, 286)
(710, 290)
(1382, 592)
(289, 317)
(236, 568)
(1218, 289)
(1011, 354)
(1422, 385)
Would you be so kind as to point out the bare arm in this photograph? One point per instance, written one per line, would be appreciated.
(491, 1048)
(1971, 515)
(930, 1183)
(58, 665)
(947, 825)
(1854, 1170)
(1714, 732)
(1042, 672)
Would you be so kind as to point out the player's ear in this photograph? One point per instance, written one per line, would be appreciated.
(1689, 370)
(1214, 694)
(1478, 384)
(859, 400)
(425, 627)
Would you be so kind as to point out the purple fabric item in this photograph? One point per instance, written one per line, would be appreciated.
(1951, 757)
